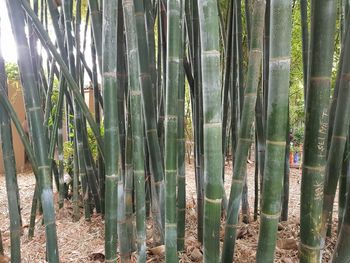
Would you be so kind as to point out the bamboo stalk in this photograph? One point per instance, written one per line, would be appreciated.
(150, 123)
(277, 115)
(209, 35)
(125, 178)
(343, 185)
(1, 245)
(109, 78)
(97, 107)
(128, 190)
(341, 250)
(305, 42)
(181, 146)
(198, 116)
(285, 194)
(136, 127)
(339, 135)
(97, 24)
(173, 52)
(33, 211)
(323, 15)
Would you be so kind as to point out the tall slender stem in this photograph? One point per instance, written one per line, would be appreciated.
(277, 115)
(136, 127)
(109, 78)
(323, 15)
(209, 35)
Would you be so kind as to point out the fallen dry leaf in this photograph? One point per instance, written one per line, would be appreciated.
(287, 260)
(158, 250)
(4, 259)
(242, 232)
(97, 257)
(196, 255)
(287, 244)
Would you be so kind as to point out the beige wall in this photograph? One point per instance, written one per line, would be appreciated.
(16, 98)
(89, 98)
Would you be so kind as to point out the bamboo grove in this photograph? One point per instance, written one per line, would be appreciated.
(145, 59)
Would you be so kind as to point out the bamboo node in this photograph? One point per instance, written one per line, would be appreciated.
(320, 78)
(339, 137)
(34, 108)
(174, 59)
(278, 143)
(251, 94)
(151, 130)
(44, 167)
(211, 53)
(237, 181)
(310, 247)
(112, 74)
(170, 117)
(170, 171)
(170, 225)
(158, 183)
(212, 124)
(346, 76)
(213, 201)
(256, 50)
(135, 92)
(145, 76)
(315, 168)
(139, 14)
(280, 60)
(232, 226)
(245, 140)
(274, 216)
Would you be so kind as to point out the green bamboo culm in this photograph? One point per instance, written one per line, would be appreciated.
(343, 186)
(10, 173)
(96, 25)
(181, 149)
(210, 53)
(339, 135)
(150, 124)
(109, 78)
(323, 19)
(33, 212)
(304, 41)
(1, 245)
(37, 130)
(174, 37)
(129, 242)
(60, 162)
(136, 127)
(276, 127)
(341, 250)
(244, 139)
(125, 169)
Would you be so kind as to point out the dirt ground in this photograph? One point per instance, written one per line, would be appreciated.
(84, 241)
